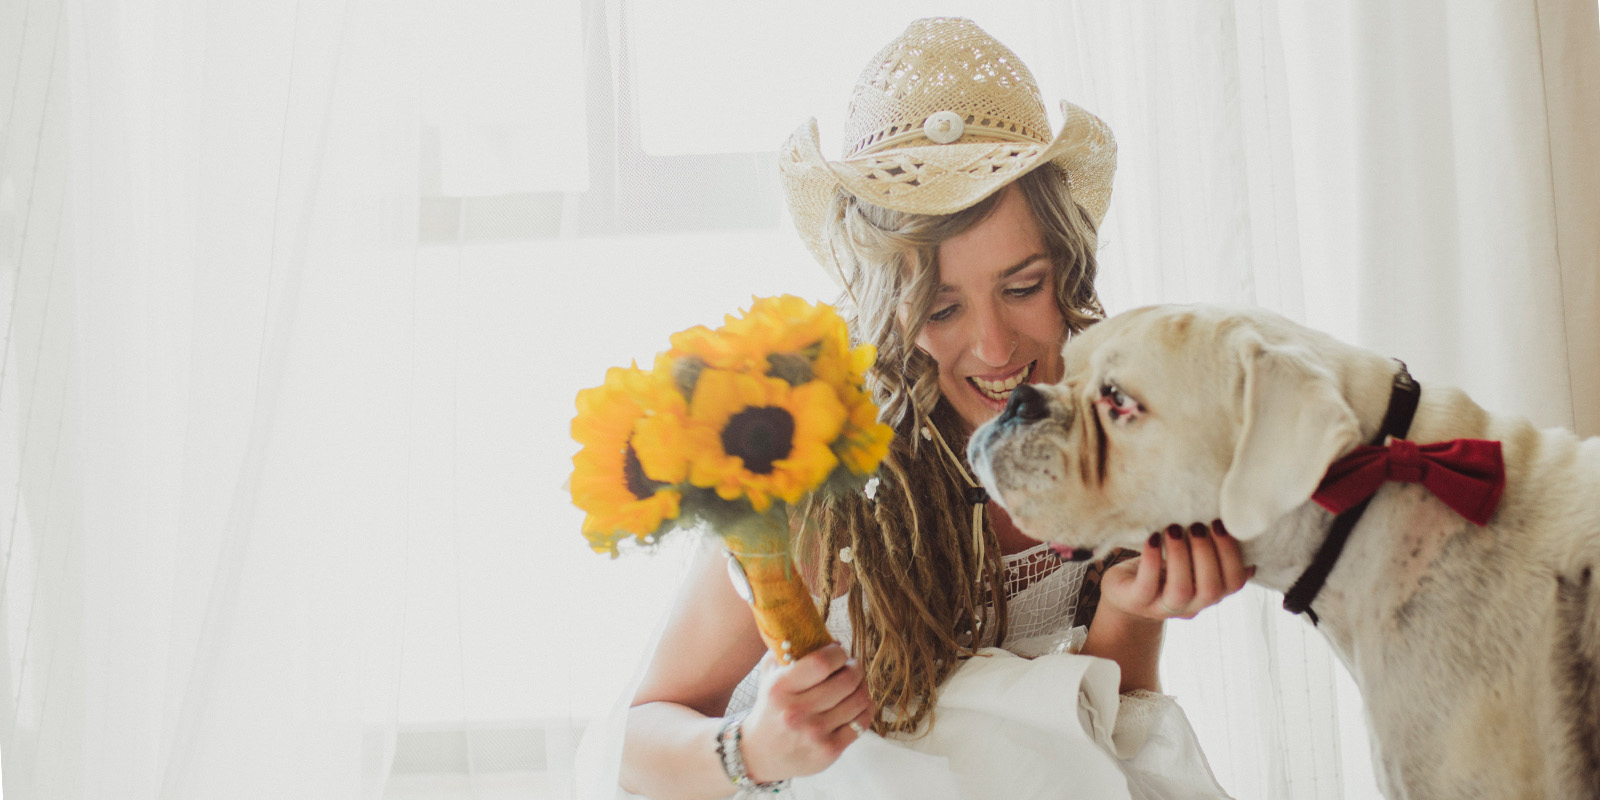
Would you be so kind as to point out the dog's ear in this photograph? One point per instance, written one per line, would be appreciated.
(1295, 422)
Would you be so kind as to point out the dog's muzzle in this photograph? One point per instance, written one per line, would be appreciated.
(1027, 404)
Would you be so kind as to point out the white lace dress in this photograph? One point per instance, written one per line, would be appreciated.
(1031, 719)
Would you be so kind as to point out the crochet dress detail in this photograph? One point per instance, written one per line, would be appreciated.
(1041, 596)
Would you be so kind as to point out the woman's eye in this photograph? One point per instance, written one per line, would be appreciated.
(1024, 291)
(942, 314)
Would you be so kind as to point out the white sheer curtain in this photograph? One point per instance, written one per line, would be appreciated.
(209, 266)
(297, 296)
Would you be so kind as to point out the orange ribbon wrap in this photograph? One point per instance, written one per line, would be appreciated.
(785, 612)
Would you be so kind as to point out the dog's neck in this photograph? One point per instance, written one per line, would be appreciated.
(1283, 553)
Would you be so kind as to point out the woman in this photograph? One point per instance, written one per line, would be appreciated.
(964, 237)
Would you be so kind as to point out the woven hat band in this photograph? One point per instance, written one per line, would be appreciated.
(911, 134)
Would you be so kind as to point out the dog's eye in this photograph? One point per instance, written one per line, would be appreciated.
(1117, 403)
(1110, 392)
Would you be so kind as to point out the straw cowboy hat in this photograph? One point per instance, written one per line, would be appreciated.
(941, 118)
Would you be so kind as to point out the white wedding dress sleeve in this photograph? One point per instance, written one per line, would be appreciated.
(1032, 720)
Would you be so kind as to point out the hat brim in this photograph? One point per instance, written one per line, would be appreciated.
(942, 178)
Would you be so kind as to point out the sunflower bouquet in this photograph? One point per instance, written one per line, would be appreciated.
(726, 431)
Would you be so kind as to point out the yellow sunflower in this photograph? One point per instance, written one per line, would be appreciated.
(710, 347)
(759, 438)
(620, 495)
(865, 442)
(784, 329)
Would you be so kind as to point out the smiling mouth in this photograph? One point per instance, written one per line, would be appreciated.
(1000, 391)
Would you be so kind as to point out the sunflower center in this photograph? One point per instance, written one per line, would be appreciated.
(633, 475)
(760, 435)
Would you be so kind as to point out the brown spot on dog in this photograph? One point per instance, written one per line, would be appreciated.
(1176, 331)
(1575, 660)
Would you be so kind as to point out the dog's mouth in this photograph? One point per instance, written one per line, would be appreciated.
(1000, 391)
(1066, 553)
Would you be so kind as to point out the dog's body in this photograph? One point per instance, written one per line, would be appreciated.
(1477, 649)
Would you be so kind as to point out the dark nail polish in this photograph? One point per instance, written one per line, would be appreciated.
(1175, 531)
(1155, 539)
(1198, 530)
(1216, 525)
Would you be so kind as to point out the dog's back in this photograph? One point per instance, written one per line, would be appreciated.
(1561, 495)
(1500, 631)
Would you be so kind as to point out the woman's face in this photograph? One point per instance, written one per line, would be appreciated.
(994, 322)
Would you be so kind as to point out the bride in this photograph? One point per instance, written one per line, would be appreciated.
(971, 660)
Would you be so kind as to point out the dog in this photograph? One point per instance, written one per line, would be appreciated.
(1476, 646)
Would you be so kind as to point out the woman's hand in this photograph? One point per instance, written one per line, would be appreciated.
(801, 721)
(1180, 573)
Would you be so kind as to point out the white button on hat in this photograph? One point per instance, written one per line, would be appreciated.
(943, 127)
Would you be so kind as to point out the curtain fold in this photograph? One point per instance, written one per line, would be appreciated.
(190, 610)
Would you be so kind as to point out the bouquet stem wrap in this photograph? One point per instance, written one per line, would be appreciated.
(785, 612)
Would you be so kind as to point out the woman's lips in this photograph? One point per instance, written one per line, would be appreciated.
(996, 393)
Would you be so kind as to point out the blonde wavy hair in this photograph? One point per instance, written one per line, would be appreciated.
(920, 581)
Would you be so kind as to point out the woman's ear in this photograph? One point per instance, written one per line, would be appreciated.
(1295, 421)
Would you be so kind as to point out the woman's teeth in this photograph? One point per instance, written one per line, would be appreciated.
(1001, 390)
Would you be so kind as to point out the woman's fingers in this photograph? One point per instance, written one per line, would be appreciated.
(1179, 588)
(1147, 577)
(832, 691)
(1208, 581)
(864, 719)
(800, 722)
(812, 686)
(1231, 560)
(1181, 572)
(855, 707)
(813, 669)
(1203, 565)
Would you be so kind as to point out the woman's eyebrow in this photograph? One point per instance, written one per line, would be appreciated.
(1023, 264)
(1005, 273)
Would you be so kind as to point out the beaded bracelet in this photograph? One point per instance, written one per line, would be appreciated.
(732, 757)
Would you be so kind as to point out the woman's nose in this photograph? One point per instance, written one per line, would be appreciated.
(994, 343)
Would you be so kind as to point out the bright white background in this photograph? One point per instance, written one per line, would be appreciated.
(297, 296)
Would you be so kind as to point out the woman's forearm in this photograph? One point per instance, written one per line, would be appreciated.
(1133, 642)
(669, 753)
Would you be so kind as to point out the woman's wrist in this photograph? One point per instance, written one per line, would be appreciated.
(730, 751)
(1115, 628)
(1131, 640)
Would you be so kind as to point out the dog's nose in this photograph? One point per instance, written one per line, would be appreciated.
(1026, 404)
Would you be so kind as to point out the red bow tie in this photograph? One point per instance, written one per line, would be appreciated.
(1468, 475)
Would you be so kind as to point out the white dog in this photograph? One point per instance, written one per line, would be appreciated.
(1476, 647)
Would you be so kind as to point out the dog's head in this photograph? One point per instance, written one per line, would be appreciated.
(1168, 414)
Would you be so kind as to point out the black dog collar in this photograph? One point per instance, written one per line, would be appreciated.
(1403, 398)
